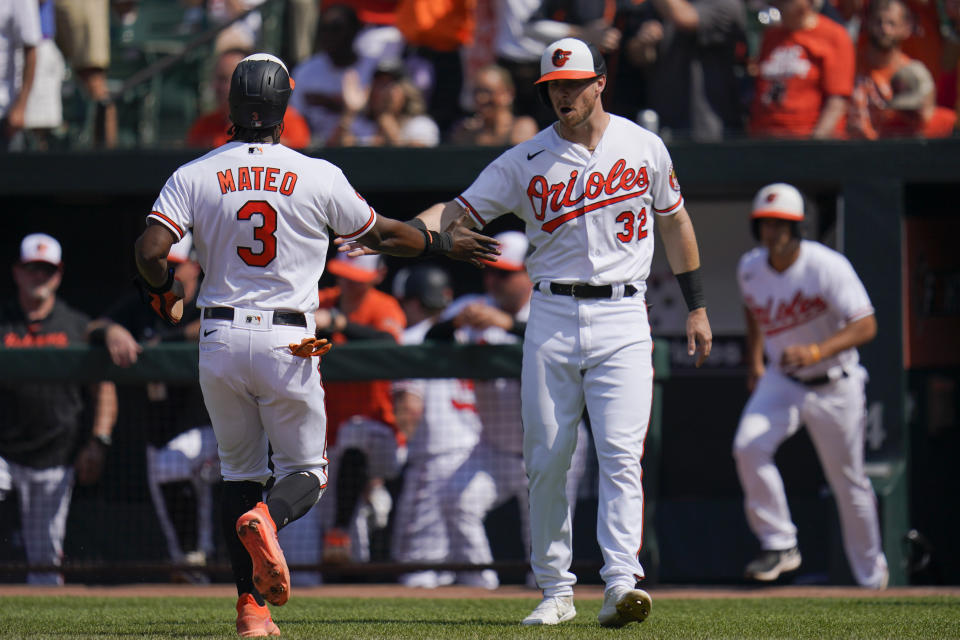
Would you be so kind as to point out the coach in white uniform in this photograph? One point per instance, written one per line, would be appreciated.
(807, 311)
(259, 214)
(589, 188)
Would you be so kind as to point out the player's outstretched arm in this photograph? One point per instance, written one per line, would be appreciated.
(442, 229)
(680, 243)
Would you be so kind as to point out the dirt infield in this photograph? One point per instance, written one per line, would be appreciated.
(588, 592)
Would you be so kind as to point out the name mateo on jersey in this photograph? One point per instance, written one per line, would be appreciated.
(257, 178)
(560, 195)
(789, 314)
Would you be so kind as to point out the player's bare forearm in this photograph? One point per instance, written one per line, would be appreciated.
(679, 241)
(855, 334)
(150, 251)
(394, 238)
(104, 408)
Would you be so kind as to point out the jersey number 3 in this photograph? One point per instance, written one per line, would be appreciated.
(266, 233)
(626, 219)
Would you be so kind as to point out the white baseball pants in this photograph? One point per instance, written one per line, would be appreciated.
(44, 497)
(835, 417)
(255, 390)
(488, 479)
(596, 354)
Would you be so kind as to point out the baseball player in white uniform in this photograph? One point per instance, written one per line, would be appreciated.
(807, 312)
(260, 214)
(440, 419)
(494, 473)
(589, 188)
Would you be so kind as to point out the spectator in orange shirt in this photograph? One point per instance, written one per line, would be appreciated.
(914, 101)
(805, 75)
(210, 129)
(365, 448)
(889, 23)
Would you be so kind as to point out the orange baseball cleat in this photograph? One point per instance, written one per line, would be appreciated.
(254, 620)
(258, 533)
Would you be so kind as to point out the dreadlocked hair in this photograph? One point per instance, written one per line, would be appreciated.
(243, 134)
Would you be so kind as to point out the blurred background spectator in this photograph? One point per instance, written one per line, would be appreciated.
(321, 79)
(364, 448)
(393, 114)
(210, 130)
(436, 31)
(693, 52)
(45, 444)
(19, 39)
(44, 112)
(494, 122)
(83, 35)
(917, 114)
(804, 75)
(888, 24)
(439, 418)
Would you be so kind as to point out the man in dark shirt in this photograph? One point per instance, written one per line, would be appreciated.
(44, 447)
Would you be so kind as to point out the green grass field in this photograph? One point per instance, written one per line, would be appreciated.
(402, 619)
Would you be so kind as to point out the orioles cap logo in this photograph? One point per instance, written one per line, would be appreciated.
(560, 57)
(771, 197)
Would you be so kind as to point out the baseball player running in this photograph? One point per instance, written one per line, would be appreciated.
(259, 214)
(807, 311)
(589, 188)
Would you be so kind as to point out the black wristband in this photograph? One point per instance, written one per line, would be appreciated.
(166, 286)
(434, 242)
(692, 288)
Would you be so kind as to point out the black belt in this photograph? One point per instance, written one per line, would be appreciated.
(578, 290)
(819, 381)
(291, 318)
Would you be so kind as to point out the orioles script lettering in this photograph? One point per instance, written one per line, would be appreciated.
(557, 196)
(788, 313)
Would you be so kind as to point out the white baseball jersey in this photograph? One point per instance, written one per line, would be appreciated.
(589, 216)
(259, 214)
(814, 298)
(810, 301)
(450, 420)
(498, 400)
(589, 219)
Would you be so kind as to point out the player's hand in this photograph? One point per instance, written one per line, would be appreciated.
(699, 335)
(798, 356)
(353, 248)
(123, 347)
(166, 301)
(89, 462)
(473, 247)
(481, 316)
(310, 347)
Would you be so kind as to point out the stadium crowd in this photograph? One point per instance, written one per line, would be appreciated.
(422, 73)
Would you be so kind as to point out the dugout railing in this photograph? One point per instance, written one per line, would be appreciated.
(112, 532)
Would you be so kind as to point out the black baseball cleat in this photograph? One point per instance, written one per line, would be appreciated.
(768, 566)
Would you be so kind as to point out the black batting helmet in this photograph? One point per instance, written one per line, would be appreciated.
(430, 285)
(259, 91)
